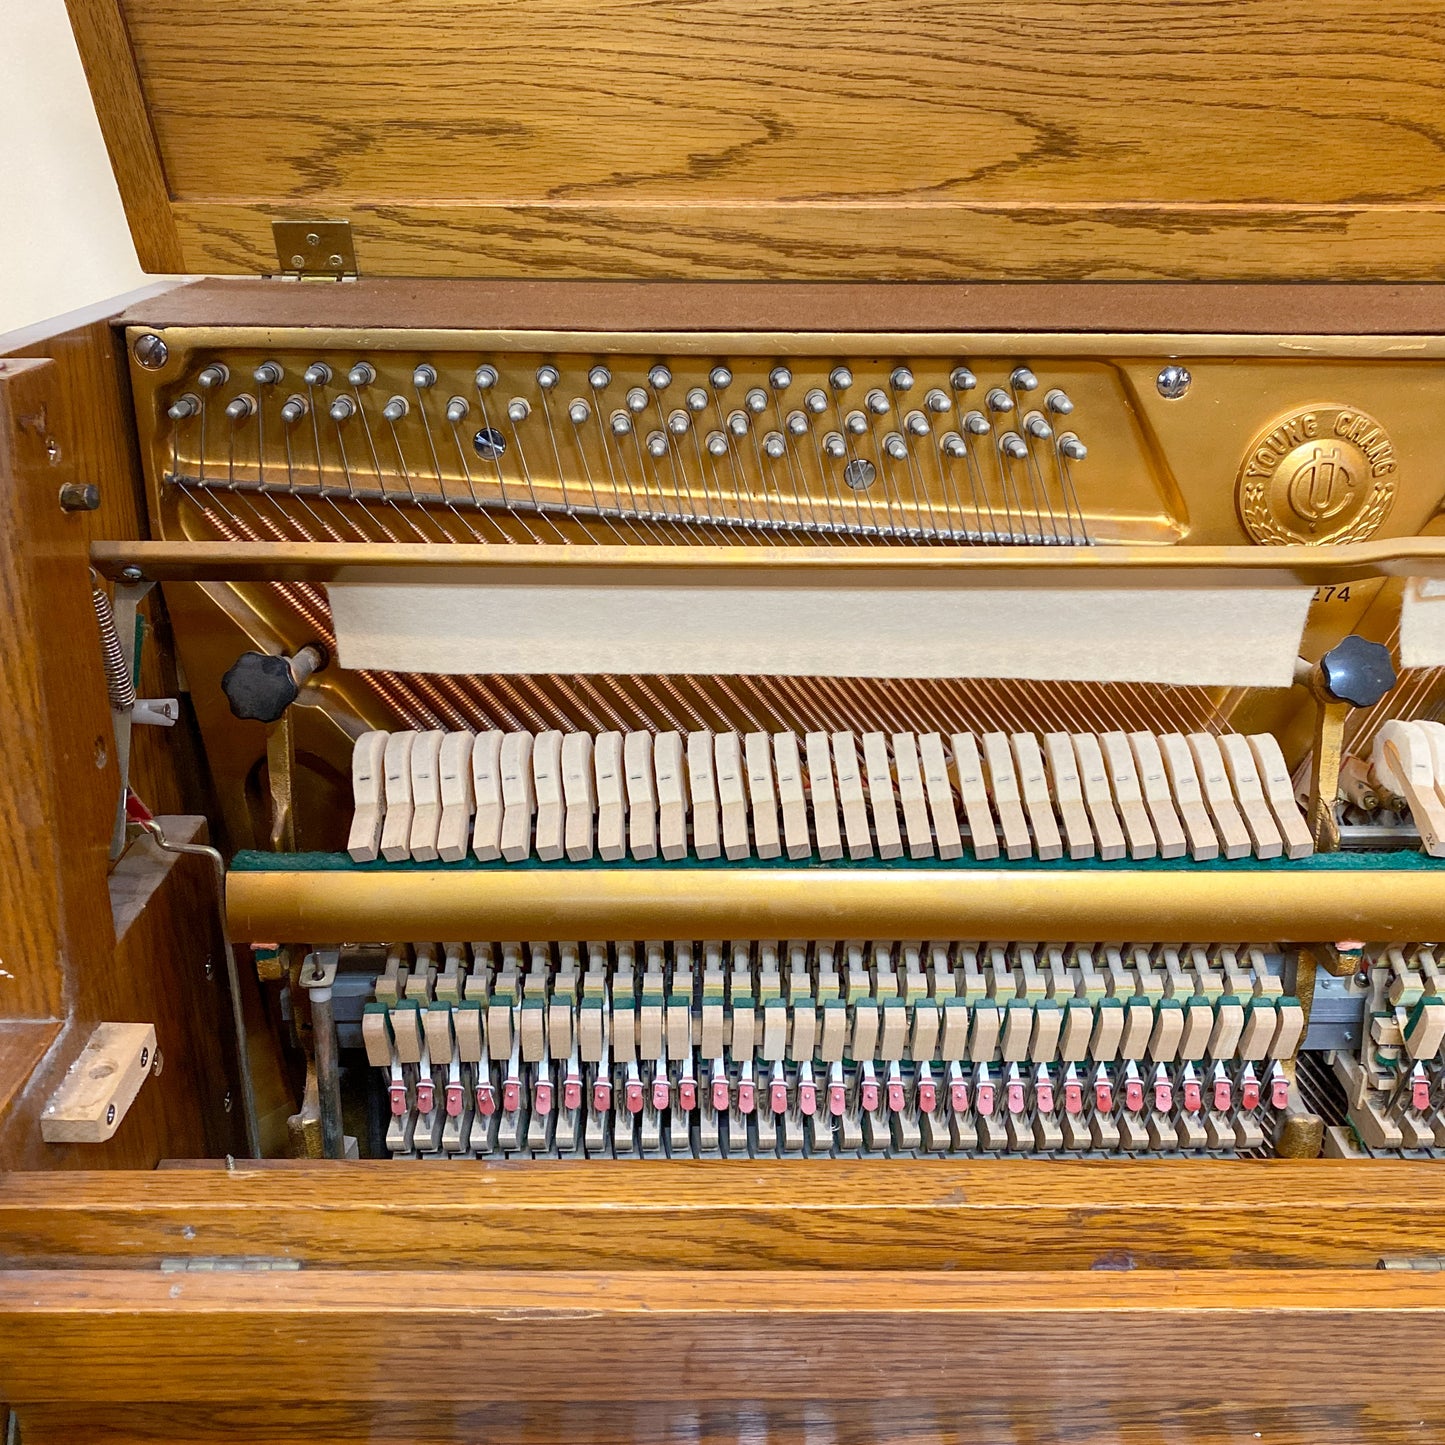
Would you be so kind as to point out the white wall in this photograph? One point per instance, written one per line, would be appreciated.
(64, 242)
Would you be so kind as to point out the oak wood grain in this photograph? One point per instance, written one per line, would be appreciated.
(740, 1215)
(662, 138)
(105, 52)
(133, 1335)
(825, 241)
(972, 1420)
(64, 419)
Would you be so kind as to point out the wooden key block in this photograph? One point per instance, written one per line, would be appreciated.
(878, 771)
(973, 791)
(1129, 795)
(1249, 796)
(368, 762)
(792, 796)
(933, 763)
(823, 796)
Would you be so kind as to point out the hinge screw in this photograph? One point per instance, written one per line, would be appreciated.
(151, 352)
(1173, 382)
(110, 1114)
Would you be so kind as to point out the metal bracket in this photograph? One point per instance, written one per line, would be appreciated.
(315, 250)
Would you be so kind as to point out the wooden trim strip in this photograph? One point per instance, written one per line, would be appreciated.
(311, 1335)
(110, 67)
(846, 240)
(739, 1215)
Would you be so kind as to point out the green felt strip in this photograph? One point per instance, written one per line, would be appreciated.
(1402, 860)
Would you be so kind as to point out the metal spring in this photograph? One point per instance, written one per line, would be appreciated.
(117, 675)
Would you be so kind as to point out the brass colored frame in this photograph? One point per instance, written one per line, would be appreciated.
(1278, 905)
(1104, 566)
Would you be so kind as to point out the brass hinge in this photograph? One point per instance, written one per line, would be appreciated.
(1430, 1263)
(315, 250)
(226, 1264)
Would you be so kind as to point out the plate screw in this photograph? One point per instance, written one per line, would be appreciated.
(79, 497)
(1173, 382)
(151, 352)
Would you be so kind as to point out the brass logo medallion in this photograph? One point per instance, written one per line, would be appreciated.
(1323, 474)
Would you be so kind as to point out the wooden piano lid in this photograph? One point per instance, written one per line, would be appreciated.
(789, 139)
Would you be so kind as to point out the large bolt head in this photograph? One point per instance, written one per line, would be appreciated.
(260, 687)
(1357, 671)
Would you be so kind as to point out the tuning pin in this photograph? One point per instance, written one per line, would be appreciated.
(659, 378)
(696, 399)
(656, 444)
(294, 408)
(717, 444)
(1058, 402)
(341, 409)
(976, 424)
(962, 379)
(620, 423)
(756, 401)
(774, 445)
(780, 378)
(1036, 426)
(815, 402)
(678, 423)
(876, 402)
(362, 374)
(218, 374)
(797, 424)
(317, 374)
(1023, 379)
(952, 445)
(486, 378)
(936, 401)
(241, 407)
(457, 409)
(1011, 444)
(269, 373)
(901, 379)
(396, 408)
(578, 411)
(738, 423)
(916, 424)
(548, 377)
(999, 400)
(720, 377)
(184, 406)
(856, 423)
(1072, 447)
(518, 409)
(895, 446)
(840, 378)
(424, 377)
(834, 445)
(598, 378)
(636, 400)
